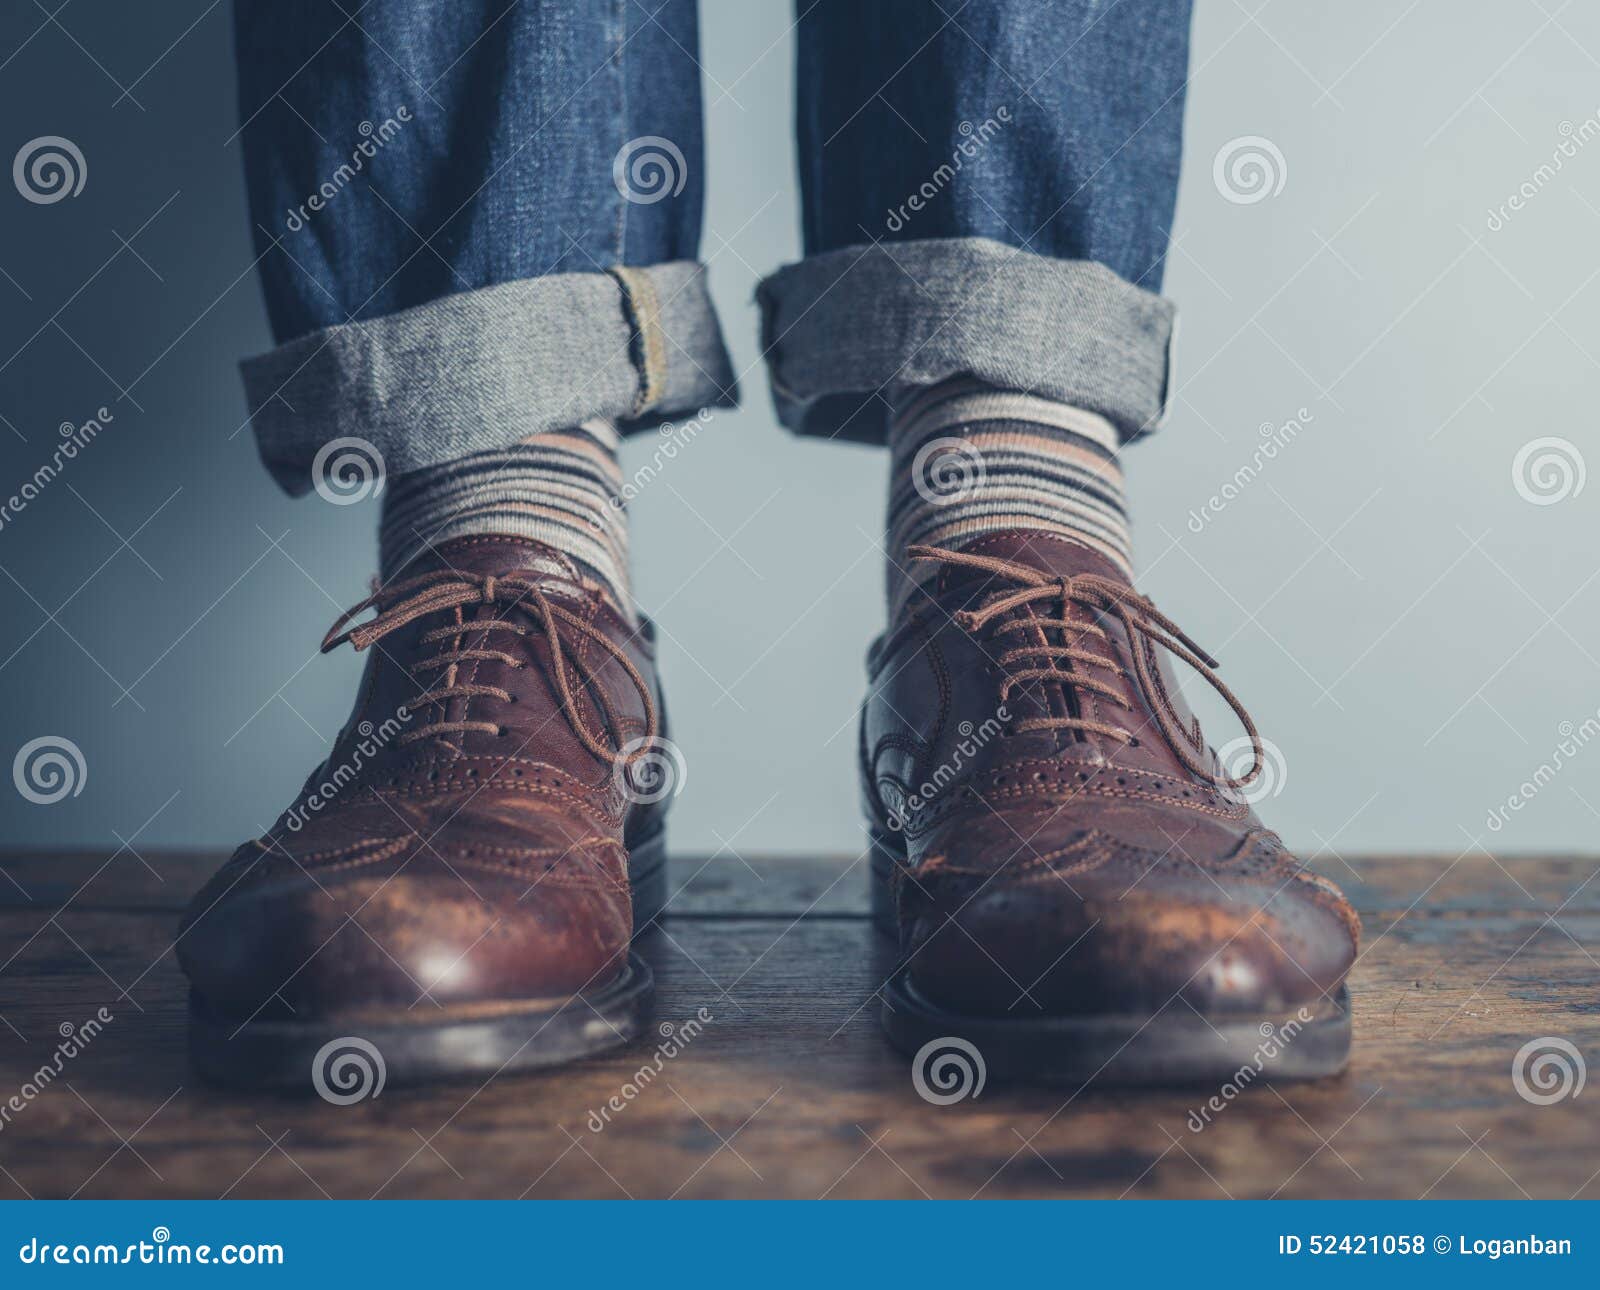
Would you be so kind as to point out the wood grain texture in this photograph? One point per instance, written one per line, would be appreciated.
(790, 1090)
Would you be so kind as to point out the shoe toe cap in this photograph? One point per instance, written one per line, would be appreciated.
(1130, 936)
(403, 922)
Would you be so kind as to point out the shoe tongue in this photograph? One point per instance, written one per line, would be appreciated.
(504, 554)
(499, 555)
(1056, 555)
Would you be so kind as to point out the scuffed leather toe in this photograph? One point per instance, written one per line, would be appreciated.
(401, 923)
(1103, 928)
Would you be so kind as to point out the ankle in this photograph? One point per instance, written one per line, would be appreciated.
(560, 489)
(969, 460)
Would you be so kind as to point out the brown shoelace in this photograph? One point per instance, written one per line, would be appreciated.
(1069, 662)
(446, 589)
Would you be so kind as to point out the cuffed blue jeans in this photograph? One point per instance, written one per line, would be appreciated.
(480, 219)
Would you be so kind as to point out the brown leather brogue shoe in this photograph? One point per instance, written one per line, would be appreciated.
(458, 884)
(1079, 888)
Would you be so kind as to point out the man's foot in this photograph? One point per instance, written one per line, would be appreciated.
(456, 887)
(1079, 888)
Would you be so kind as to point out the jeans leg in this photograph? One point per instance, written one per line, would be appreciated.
(987, 189)
(478, 219)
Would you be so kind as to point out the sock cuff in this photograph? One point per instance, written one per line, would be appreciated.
(559, 488)
(964, 403)
(968, 460)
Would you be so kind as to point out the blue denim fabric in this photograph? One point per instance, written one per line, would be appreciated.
(1054, 127)
(518, 109)
(464, 242)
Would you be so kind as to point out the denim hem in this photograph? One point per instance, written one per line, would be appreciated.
(849, 332)
(482, 369)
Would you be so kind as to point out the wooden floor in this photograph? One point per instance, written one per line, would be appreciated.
(790, 1089)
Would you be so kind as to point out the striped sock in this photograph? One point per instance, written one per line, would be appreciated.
(557, 488)
(969, 460)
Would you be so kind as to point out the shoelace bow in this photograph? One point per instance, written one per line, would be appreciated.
(1040, 660)
(446, 589)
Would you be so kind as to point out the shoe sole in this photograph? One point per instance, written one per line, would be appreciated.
(1175, 1045)
(440, 1044)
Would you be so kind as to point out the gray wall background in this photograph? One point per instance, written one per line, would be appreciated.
(1409, 631)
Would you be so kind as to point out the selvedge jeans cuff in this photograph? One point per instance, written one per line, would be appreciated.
(483, 369)
(848, 332)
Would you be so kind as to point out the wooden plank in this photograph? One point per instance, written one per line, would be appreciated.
(791, 1090)
(787, 886)
(726, 885)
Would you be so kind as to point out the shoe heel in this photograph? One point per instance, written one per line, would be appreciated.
(888, 854)
(647, 880)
